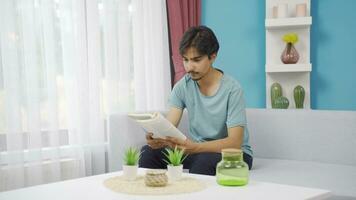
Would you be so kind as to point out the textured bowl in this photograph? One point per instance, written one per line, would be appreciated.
(156, 178)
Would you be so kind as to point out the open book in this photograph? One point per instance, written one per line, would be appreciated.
(157, 124)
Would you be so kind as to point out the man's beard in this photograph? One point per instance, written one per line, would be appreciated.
(195, 79)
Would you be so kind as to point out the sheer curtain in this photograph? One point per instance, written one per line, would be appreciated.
(64, 67)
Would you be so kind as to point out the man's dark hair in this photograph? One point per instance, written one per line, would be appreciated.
(200, 37)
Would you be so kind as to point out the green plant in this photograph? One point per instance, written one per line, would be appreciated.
(132, 155)
(299, 94)
(174, 157)
(290, 38)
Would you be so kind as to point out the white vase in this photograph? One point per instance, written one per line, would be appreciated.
(282, 10)
(130, 172)
(275, 12)
(301, 10)
(174, 172)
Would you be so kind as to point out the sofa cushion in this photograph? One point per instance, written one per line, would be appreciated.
(339, 179)
(305, 135)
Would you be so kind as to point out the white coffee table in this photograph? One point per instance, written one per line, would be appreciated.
(92, 188)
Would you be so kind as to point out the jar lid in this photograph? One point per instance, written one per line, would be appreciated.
(231, 151)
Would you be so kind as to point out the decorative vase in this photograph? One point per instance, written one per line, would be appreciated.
(276, 91)
(175, 172)
(274, 12)
(301, 10)
(130, 172)
(282, 10)
(232, 170)
(299, 94)
(290, 54)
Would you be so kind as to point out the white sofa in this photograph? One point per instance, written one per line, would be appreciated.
(308, 148)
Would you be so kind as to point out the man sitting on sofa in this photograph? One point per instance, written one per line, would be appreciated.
(215, 105)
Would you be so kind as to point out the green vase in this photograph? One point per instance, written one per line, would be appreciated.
(232, 170)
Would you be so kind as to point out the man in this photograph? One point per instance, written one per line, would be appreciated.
(215, 105)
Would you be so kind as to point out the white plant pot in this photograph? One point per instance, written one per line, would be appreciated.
(130, 172)
(175, 172)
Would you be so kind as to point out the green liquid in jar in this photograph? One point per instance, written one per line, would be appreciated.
(231, 177)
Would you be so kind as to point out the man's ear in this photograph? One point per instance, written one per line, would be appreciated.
(213, 57)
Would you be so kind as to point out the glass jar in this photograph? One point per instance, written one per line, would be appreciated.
(232, 170)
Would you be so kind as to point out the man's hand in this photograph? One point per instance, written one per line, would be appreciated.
(155, 143)
(187, 145)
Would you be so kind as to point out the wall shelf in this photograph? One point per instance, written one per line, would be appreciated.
(289, 68)
(287, 75)
(288, 23)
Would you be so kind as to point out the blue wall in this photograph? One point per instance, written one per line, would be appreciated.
(239, 26)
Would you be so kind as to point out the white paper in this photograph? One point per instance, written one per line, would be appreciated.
(157, 124)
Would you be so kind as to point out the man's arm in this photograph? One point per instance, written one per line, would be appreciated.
(234, 140)
(174, 115)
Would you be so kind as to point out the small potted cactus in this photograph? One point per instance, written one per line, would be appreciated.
(174, 160)
(277, 100)
(276, 91)
(130, 166)
(299, 95)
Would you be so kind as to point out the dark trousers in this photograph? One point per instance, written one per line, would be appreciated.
(200, 163)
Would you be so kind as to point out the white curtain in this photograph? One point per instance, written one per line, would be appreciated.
(64, 67)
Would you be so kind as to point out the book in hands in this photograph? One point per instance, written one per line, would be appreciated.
(157, 124)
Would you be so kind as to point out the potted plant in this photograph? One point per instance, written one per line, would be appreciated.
(175, 158)
(130, 167)
(290, 54)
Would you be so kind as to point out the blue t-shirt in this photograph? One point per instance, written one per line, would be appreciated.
(211, 116)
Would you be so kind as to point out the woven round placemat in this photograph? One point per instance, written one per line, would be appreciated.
(138, 187)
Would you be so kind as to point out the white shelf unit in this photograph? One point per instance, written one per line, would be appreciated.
(289, 68)
(287, 23)
(288, 75)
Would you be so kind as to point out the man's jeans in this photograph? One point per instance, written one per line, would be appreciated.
(200, 163)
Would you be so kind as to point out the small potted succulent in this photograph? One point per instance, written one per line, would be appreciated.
(290, 54)
(174, 160)
(130, 166)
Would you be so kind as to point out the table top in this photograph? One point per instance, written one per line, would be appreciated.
(92, 188)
